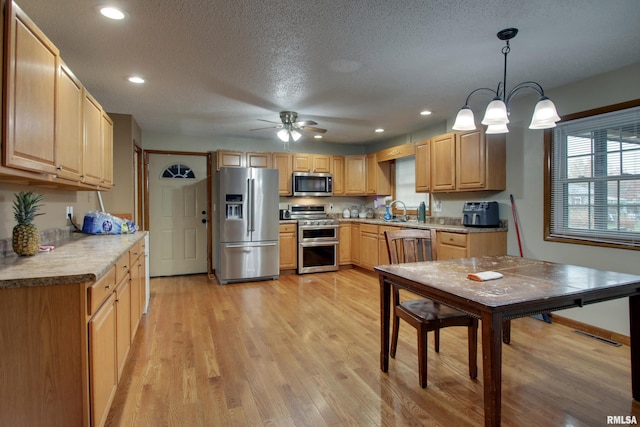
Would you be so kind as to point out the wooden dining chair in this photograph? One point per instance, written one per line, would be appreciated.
(423, 314)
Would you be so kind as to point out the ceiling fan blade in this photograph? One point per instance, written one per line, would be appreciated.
(306, 123)
(270, 127)
(269, 121)
(318, 130)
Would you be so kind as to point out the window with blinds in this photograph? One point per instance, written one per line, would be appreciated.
(594, 185)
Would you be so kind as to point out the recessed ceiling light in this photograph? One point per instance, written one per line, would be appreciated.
(425, 113)
(379, 130)
(317, 136)
(112, 13)
(136, 79)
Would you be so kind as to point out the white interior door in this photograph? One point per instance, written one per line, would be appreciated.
(178, 208)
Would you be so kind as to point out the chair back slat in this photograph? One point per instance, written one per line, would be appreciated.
(410, 245)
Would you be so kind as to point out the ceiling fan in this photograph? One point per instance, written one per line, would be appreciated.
(290, 128)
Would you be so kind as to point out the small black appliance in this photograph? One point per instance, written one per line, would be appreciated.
(480, 214)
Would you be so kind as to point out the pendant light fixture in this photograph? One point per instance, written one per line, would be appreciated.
(496, 116)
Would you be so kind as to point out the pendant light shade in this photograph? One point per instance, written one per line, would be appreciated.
(464, 119)
(544, 115)
(497, 129)
(295, 135)
(496, 115)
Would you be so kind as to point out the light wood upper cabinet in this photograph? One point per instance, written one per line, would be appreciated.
(320, 163)
(284, 163)
(68, 136)
(240, 159)
(443, 162)
(468, 161)
(423, 166)
(337, 172)
(30, 103)
(355, 175)
(258, 160)
(230, 159)
(92, 153)
(481, 161)
(378, 176)
(302, 162)
(106, 127)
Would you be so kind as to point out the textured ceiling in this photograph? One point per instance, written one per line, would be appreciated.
(214, 67)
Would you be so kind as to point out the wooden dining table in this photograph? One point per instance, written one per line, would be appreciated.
(528, 287)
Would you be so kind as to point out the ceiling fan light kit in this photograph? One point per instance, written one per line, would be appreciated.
(290, 128)
(496, 116)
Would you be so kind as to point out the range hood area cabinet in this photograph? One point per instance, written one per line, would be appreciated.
(40, 87)
(461, 161)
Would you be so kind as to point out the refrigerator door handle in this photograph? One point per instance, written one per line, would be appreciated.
(252, 207)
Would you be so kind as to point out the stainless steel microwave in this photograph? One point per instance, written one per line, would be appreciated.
(312, 184)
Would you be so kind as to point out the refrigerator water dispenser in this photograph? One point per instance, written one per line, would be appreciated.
(233, 206)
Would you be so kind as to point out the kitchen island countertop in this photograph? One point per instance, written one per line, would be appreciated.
(83, 258)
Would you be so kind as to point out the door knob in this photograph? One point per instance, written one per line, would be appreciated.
(204, 221)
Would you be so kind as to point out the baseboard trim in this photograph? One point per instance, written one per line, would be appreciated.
(590, 329)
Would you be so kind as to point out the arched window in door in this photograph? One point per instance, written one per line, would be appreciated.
(178, 170)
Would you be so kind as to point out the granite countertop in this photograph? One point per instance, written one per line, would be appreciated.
(446, 226)
(83, 258)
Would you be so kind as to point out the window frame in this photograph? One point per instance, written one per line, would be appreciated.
(548, 177)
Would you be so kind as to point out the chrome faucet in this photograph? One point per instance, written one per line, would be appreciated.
(404, 209)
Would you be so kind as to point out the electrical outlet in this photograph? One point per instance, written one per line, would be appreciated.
(69, 212)
(330, 207)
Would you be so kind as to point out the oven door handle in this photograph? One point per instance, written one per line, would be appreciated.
(318, 227)
(322, 243)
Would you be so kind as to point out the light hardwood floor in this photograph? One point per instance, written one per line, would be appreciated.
(304, 351)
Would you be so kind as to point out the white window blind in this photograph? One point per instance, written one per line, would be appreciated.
(595, 178)
(406, 183)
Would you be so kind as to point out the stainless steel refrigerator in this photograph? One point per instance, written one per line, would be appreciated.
(247, 225)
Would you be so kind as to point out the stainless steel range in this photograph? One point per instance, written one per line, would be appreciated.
(317, 239)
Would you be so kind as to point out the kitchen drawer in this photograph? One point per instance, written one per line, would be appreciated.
(449, 252)
(383, 228)
(135, 252)
(288, 228)
(453, 239)
(368, 228)
(122, 267)
(100, 291)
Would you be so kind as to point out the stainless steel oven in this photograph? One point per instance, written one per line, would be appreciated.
(317, 246)
(317, 239)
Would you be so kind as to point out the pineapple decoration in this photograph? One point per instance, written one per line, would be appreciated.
(26, 238)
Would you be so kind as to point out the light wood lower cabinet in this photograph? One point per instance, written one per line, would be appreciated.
(288, 246)
(365, 244)
(344, 248)
(368, 246)
(355, 243)
(459, 245)
(68, 344)
(123, 322)
(103, 370)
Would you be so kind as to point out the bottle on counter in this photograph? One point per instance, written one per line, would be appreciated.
(422, 212)
(387, 213)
